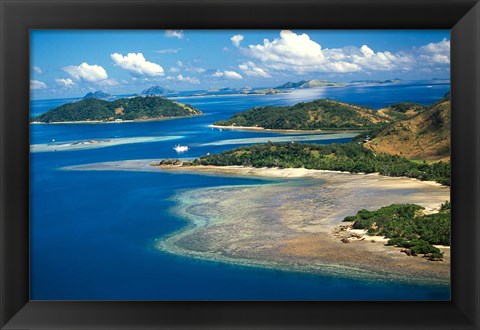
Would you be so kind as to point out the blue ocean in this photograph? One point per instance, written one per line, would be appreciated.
(93, 233)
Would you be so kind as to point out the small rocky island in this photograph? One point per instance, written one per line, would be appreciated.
(124, 109)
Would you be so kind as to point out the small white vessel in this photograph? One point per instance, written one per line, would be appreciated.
(179, 148)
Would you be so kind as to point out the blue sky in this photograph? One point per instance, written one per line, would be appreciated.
(71, 63)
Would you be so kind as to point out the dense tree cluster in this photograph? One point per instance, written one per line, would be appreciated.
(318, 114)
(408, 227)
(150, 107)
(407, 106)
(349, 157)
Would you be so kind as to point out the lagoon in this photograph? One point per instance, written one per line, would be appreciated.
(94, 233)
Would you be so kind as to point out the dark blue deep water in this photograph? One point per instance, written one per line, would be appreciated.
(93, 232)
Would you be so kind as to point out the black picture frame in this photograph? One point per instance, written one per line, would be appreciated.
(17, 17)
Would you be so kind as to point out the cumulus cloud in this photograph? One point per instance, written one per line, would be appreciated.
(37, 69)
(236, 40)
(108, 82)
(191, 80)
(174, 34)
(227, 74)
(87, 72)
(438, 52)
(174, 69)
(368, 59)
(297, 53)
(252, 70)
(37, 84)
(137, 64)
(65, 82)
(197, 70)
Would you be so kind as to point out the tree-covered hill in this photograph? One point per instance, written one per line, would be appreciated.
(424, 134)
(136, 108)
(349, 157)
(318, 114)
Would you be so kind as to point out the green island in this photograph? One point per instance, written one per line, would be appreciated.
(348, 157)
(420, 136)
(313, 83)
(407, 226)
(315, 115)
(135, 108)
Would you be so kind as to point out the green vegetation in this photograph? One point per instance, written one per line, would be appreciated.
(318, 114)
(349, 157)
(404, 107)
(93, 109)
(408, 227)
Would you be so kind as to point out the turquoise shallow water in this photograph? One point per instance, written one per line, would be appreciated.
(93, 233)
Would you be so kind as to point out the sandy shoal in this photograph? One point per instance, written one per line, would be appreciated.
(306, 131)
(290, 224)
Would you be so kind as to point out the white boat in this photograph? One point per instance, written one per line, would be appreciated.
(179, 148)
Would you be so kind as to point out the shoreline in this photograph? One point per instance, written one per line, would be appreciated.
(262, 129)
(228, 224)
(275, 172)
(110, 122)
(284, 226)
(290, 224)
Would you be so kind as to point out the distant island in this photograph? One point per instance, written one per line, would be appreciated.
(379, 82)
(267, 91)
(314, 83)
(314, 115)
(156, 90)
(124, 109)
(97, 95)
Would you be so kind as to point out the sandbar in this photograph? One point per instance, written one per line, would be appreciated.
(291, 224)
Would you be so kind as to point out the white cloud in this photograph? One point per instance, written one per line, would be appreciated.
(37, 69)
(236, 40)
(197, 70)
(108, 82)
(174, 34)
(180, 63)
(252, 70)
(191, 80)
(167, 51)
(136, 64)
(227, 74)
(87, 72)
(366, 58)
(174, 69)
(294, 52)
(37, 84)
(438, 53)
(65, 82)
(297, 53)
